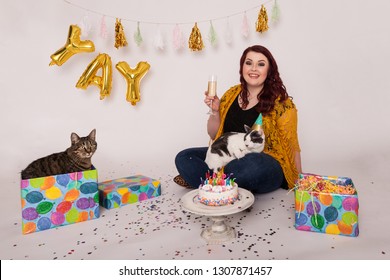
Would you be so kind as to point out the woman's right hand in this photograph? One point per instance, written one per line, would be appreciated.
(212, 102)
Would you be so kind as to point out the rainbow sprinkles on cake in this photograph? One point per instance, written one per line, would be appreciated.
(218, 190)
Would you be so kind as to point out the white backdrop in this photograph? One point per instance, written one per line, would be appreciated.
(333, 57)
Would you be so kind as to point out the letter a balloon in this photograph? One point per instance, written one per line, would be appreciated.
(72, 46)
(89, 77)
(133, 78)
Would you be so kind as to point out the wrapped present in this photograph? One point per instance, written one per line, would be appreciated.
(326, 204)
(118, 192)
(59, 200)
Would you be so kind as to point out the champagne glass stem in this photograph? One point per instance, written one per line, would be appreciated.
(211, 112)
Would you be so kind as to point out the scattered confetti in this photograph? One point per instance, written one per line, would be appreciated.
(159, 228)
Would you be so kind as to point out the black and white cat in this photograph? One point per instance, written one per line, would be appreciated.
(234, 145)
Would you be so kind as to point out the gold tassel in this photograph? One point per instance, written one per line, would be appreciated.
(195, 42)
(262, 20)
(120, 38)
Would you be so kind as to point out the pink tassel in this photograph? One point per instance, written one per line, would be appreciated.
(103, 28)
(245, 27)
(178, 38)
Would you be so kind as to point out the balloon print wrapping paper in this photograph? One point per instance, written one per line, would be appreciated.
(119, 192)
(326, 204)
(59, 200)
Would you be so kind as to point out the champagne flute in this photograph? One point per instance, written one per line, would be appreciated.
(212, 91)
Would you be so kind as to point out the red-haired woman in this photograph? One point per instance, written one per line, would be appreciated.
(261, 90)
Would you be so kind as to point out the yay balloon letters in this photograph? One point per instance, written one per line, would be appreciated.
(102, 62)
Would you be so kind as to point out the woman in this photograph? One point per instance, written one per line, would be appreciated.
(261, 90)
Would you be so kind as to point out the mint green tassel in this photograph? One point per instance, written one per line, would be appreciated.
(137, 36)
(275, 13)
(212, 35)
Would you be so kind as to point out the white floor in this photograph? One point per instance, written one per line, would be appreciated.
(160, 229)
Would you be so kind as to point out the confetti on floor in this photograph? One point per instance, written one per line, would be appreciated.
(159, 228)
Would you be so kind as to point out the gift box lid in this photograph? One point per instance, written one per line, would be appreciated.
(128, 182)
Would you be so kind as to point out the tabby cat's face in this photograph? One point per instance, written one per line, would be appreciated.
(84, 147)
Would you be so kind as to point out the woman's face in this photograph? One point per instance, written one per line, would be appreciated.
(255, 69)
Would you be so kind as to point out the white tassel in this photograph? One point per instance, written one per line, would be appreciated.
(159, 40)
(85, 26)
(228, 33)
(245, 27)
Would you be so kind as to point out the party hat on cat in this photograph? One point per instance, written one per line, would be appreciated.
(258, 125)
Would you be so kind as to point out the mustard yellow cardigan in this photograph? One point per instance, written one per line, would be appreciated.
(280, 129)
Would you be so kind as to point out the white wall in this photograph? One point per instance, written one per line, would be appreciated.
(333, 57)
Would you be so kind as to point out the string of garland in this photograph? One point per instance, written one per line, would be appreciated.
(195, 41)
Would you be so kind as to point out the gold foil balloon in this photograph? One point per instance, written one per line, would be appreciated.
(120, 38)
(262, 20)
(195, 42)
(133, 78)
(102, 61)
(73, 46)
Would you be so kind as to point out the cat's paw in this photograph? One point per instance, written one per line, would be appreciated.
(239, 154)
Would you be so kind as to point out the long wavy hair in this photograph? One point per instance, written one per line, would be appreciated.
(273, 84)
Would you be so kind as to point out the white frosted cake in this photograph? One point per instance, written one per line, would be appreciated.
(215, 191)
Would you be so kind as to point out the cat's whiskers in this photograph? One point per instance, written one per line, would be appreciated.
(76, 157)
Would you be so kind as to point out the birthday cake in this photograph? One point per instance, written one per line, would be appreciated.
(217, 191)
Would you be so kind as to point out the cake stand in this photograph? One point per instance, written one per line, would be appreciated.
(219, 231)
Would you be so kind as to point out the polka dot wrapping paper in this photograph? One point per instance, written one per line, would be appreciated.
(118, 192)
(59, 200)
(326, 204)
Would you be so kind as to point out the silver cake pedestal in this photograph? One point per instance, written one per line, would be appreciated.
(219, 231)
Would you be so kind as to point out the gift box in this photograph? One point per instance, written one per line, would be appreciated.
(58, 200)
(326, 204)
(118, 192)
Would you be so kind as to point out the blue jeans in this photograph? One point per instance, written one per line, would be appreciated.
(259, 173)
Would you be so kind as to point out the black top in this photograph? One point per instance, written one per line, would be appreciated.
(237, 117)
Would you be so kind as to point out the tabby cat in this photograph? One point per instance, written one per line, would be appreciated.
(76, 158)
(234, 145)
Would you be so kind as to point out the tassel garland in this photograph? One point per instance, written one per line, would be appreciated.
(262, 21)
(195, 42)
